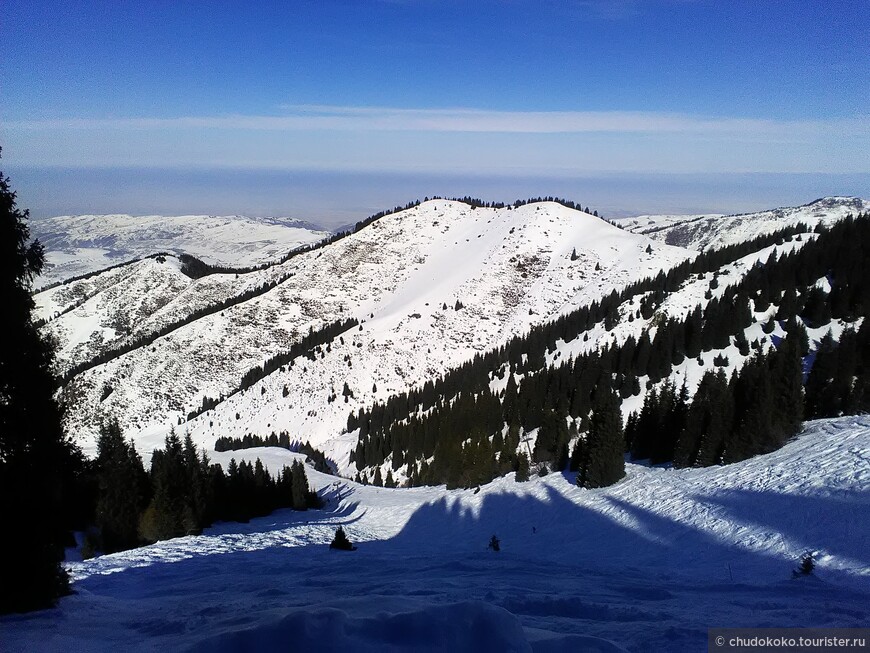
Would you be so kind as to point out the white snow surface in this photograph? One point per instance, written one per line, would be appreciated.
(699, 232)
(646, 565)
(80, 244)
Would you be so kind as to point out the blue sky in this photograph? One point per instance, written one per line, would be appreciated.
(99, 100)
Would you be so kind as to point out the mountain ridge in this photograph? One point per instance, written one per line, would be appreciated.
(698, 232)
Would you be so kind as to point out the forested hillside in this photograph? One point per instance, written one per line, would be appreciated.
(462, 430)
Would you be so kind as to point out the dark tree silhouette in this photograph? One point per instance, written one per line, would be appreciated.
(122, 489)
(341, 542)
(604, 463)
(35, 458)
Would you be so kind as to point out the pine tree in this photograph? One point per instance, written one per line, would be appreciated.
(340, 541)
(509, 401)
(195, 500)
(604, 463)
(522, 470)
(821, 398)
(708, 422)
(786, 373)
(164, 517)
(123, 487)
(754, 411)
(300, 486)
(35, 457)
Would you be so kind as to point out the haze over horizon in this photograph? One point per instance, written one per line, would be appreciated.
(329, 111)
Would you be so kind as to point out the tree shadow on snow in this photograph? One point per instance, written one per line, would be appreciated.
(835, 524)
(570, 561)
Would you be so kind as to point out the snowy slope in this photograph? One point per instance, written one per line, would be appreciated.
(712, 231)
(80, 244)
(402, 276)
(646, 565)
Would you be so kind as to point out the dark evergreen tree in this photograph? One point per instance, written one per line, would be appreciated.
(786, 374)
(164, 517)
(645, 428)
(708, 422)
(36, 460)
(753, 403)
(522, 470)
(816, 309)
(674, 411)
(604, 463)
(123, 489)
(340, 541)
(822, 395)
(195, 501)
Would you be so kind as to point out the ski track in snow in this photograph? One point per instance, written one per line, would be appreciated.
(646, 565)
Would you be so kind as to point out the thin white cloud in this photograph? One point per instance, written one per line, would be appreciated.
(348, 118)
(477, 141)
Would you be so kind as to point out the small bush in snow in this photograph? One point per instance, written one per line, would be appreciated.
(806, 566)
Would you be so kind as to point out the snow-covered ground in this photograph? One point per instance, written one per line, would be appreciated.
(80, 244)
(646, 565)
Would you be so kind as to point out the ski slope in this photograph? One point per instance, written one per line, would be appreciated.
(646, 565)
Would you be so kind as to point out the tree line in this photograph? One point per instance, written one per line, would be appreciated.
(147, 339)
(313, 455)
(196, 268)
(181, 494)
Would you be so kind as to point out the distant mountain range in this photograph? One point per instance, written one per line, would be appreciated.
(80, 244)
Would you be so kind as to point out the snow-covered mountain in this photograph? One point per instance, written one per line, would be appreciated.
(432, 285)
(647, 565)
(699, 232)
(80, 244)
